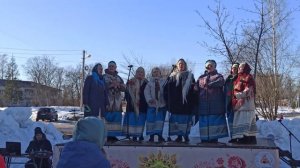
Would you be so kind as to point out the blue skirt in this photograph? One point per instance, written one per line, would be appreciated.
(155, 120)
(180, 124)
(113, 122)
(136, 124)
(212, 127)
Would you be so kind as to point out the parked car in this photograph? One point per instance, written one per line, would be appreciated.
(47, 113)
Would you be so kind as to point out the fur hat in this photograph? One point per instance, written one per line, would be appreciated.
(90, 129)
(211, 62)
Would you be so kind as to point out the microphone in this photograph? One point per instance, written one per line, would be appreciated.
(130, 66)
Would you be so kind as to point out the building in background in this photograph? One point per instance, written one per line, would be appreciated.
(27, 93)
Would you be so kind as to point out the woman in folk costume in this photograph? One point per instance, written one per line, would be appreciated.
(212, 120)
(178, 93)
(228, 90)
(94, 93)
(156, 111)
(113, 115)
(244, 122)
(135, 117)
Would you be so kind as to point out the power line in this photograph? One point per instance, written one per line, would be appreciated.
(36, 53)
(6, 48)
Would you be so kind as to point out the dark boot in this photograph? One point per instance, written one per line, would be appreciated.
(252, 140)
(151, 138)
(115, 138)
(141, 138)
(243, 140)
(112, 139)
(179, 138)
(160, 138)
(169, 139)
(234, 140)
(134, 139)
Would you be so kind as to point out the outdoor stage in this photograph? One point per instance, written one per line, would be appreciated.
(131, 154)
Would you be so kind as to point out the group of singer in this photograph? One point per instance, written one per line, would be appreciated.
(223, 107)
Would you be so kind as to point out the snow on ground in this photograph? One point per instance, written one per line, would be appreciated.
(18, 123)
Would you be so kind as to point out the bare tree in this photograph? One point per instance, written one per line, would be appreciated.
(71, 88)
(42, 70)
(225, 32)
(263, 43)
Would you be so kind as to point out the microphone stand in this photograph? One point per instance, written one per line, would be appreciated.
(290, 136)
(167, 80)
(127, 119)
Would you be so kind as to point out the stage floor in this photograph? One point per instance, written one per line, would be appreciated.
(262, 143)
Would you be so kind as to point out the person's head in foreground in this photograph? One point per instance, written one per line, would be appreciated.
(85, 151)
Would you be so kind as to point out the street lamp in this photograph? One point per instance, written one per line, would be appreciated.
(84, 56)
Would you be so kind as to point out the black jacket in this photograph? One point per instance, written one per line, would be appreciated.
(174, 98)
(36, 146)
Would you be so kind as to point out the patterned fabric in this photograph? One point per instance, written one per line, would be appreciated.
(180, 124)
(113, 116)
(244, 124)
(244, 88)
(211, 96)
(114, 94)
(152, 89)
(136, 109)
(212, 120)
(113, 122)
(136, 124)
(135, 90)
(155, 120)
(212, 127)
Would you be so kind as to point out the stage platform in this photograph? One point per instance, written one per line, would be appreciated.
(130, 154)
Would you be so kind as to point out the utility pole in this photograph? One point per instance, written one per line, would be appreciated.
(84, 56)
(82, 80)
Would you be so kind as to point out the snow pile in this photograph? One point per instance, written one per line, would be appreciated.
(16, 125)
(280, 135)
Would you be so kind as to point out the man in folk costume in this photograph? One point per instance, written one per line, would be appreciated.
(113, 115)
(212, 122)
(156, 111)
(228, 90)
(135, 117)
(178, 93)
(244, 122)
